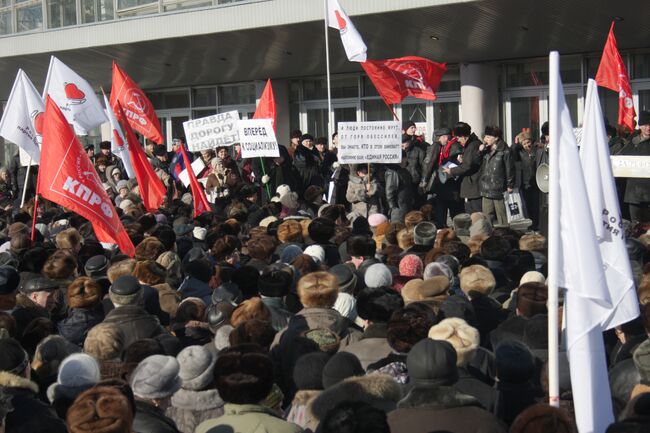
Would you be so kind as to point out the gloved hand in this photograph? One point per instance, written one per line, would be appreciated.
(265, 179)
(336, 165)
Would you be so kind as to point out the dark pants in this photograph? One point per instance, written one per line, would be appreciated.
(639, 212)
(442, 206)
(531, 201)
(473, 205)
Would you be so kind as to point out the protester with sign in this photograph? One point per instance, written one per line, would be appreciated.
(364, 192)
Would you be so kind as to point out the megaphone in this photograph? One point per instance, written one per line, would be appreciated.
(541, 177)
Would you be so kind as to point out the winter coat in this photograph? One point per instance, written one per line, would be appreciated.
(75, 327)
(150, 419)
(525, 169)
(247, 418)
(168, 298)
(623, 377)
(430, 165)
(373, 345)
(194, 288)
(190, 408)
(637, 190)
(512, 399)
(497, 172)
(26, 311)
(364, 202)
(429, 408)
(307, 162)
(470, 169)
(135, 323)
(414, 162)
(378, 390)
(400, 193)
(29, 414)
(279, 314)
(300, 412)
(470, 385)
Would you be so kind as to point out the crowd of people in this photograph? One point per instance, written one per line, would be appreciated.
(314, 296)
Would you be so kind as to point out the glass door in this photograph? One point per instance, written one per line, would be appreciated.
(171, 124)
(314, 116)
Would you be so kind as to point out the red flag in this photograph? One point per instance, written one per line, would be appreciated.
(67, 177)
(138, 108)
(613, 75)
(201, 203)
(151, 187)
(395, 79)
(266, 107)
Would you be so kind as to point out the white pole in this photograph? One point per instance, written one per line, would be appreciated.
(553, 230)
(329, 88)
(29, 167)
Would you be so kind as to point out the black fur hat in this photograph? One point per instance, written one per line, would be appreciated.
(462, 129)
(361, 246)
(377, 304)
(321, 230)
(243, 374)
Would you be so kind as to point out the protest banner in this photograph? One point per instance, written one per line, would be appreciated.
(212, 131)
(630, 166)
(370, 142)
(257, 138)
(197, 167)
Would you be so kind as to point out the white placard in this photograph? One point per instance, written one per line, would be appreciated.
(631, 166)
(421, 129)
(197, 167)
(368, 142)
(212, 131)
(257, 138)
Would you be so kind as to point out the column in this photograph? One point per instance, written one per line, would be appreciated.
(479, 95)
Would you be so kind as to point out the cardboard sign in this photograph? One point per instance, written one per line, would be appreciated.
(257, 138)
(370, 142)
(212, 131)
(631, 166)
(197, 167)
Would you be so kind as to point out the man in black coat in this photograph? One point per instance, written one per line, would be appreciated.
(469, 169)
(637, 190)
(497, 174)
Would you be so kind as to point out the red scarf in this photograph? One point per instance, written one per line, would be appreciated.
(444, 152)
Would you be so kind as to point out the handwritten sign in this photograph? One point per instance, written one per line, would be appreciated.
(370, 142)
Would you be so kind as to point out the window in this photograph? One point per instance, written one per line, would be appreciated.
(61, 13)
(445, 114)
(29, 17)
(206, 97)
(97, 10)
(376, 109)
(197, 114)
(237, 94)
(5, 22)
(341, 87)
(451, 80)
(535, 72)
(170, 99)
(127, 8)
(176, 5)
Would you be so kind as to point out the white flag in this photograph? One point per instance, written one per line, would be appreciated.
(74, 96)
(576, 256)
(606, 213)
(22, 120)
(119, 144)
(354, 46)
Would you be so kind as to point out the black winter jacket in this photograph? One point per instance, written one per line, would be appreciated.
(497, 172)
(470, 169)
(75, 327)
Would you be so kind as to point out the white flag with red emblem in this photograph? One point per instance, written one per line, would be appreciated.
(22, 120)
(74, 96)
(119, 143)
(354, 46)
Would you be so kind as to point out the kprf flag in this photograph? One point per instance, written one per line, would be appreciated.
(67, 177)
(575, 254)
(199, 199)
(266, 106)
(138, 108)
(74, 96)
(151, 187)
(22, 119)
(119, 143)
(612, 74)
(354, 46)
(606, 213)
(395, 79)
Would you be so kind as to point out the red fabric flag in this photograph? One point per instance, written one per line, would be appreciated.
(138, 108)
(266, 107)
(613, 75)
(201, 203)
(151, 187)
(67, 177)
(395, 79)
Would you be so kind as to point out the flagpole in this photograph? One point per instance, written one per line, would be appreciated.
(35, 214)
(329, 87)
(29, 167)
(268, 191)
(553, 232)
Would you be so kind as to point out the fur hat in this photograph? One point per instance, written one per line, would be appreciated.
(493, 131)
(532, 242)
(413, 218)
(424, 233)
(274, 283)
(170, 261)
(411, 266)
(316, 252)
(126, 290)
(532, 277)
(477, 278)
(282, 190)
(105, 342)
(77, 373)
(425, 290)
(289, 231)
(409, 325)
(462, 129)
(318, 289)
(289, 200)
(435, 269)
(482, 227)
(308, 371)
(495, 248)
(378, 275)
(462, 223)
(13, 357)
(321, 230)
(405, 239)
(156, 377)
(243, 376)
(377, 304)
(644, 118)
(515, 363)
(253, 331)
(642, 361)
(196, 367)
(313, 194)
(542, 418)
(391, 232)
(459, 334)
(260, 248)
(377, 219)
(84, 292)
(341, 366)
(361, 246)
(432, 362)
(196, 264)
(290, 253)
(346, 278)
(102, 409)
(531, 299)
(150, 273)
(149, 249)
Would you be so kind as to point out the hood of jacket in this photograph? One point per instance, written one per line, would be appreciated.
(433, 397)
(197, 400)
(9, 380)
(326, 318)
